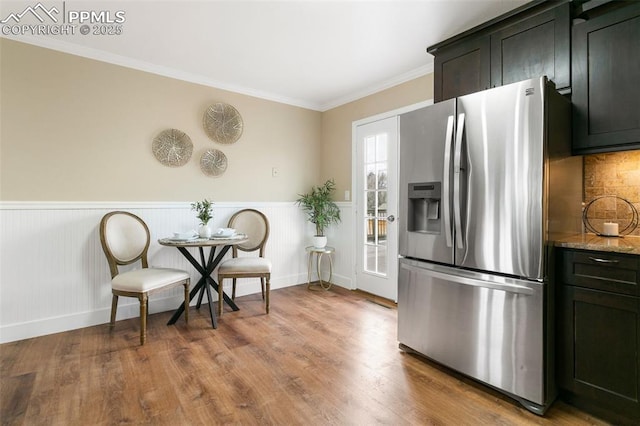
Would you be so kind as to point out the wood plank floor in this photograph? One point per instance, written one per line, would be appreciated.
(319, 358)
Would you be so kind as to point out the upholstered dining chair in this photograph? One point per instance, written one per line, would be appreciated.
(256, 226)
(125, 240)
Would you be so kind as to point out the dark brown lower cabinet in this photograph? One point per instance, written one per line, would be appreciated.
(599, 340)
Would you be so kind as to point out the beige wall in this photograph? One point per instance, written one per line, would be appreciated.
(336, 126)
(75, 129)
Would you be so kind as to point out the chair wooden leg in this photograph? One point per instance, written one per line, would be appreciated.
(262, 286)
(143, 317)
(114, 308)
(186, 301)
(268, 291)
(220, 296)
(233, 290)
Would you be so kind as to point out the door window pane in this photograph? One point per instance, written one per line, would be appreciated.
(369, 227)
(370, 150)
(381, 147)
(382, 261)
(371, 204)
(370, 258)
(370, 176)
(382, 177)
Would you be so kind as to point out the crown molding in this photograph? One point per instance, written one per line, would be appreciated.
(402, 78)
(112, 58)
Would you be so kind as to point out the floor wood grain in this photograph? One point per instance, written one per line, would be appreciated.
(319, 358)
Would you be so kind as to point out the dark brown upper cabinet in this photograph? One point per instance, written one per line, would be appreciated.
(535, 46)
(606, 81)
(530, 41)
(462, 68)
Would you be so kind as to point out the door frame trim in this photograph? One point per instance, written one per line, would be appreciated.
(354, 142)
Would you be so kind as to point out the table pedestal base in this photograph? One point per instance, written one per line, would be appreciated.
(205, 283)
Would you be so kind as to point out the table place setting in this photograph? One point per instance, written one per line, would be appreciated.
(224, 233)
(192, 236)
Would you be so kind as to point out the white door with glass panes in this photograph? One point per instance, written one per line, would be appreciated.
(376, 207)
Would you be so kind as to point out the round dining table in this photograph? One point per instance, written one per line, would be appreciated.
(205, 267)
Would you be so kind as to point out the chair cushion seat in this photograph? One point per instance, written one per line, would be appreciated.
(255, 265)
(147, 279)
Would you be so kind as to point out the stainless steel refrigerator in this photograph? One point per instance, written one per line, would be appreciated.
(484, 181)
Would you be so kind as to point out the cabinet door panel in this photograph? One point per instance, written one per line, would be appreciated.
(532, 48)
(606, 76)
(598, 360)
(461, 69)
(521, 61)
(605, 332)
(610, 88)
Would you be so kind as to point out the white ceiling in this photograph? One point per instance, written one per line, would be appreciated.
(313, 54)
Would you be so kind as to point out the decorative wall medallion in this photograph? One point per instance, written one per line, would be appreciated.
(223, 123)
(172, 147)
(213, 162)
(613, 209)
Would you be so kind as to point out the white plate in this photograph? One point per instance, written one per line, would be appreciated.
(182, 239)
(218, 237)
(232, 237)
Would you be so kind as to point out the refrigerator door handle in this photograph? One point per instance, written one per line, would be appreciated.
(457, 159)
(446, 213)
(474, 282)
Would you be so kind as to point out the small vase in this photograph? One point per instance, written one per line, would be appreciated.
(319, 241)
(205, 231)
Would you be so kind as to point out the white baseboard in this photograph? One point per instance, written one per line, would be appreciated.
(129, 308)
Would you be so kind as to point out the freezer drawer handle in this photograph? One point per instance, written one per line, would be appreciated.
(595, 259)
(510, 288)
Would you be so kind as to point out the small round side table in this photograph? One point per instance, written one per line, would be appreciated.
(320, 252)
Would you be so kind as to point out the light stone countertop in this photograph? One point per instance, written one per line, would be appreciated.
(627, 244)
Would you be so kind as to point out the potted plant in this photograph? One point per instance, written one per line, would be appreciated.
(204, 209)
(320, 209)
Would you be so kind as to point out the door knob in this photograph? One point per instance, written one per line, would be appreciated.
(391, 218)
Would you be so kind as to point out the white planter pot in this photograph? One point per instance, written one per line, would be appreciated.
(319, 242)
(204, 231)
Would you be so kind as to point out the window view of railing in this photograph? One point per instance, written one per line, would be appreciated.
(381, 223)
(377, 206)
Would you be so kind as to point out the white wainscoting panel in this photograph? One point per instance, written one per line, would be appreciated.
(54, 276)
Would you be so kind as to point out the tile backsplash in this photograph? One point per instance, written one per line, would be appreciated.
(612, 174)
